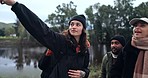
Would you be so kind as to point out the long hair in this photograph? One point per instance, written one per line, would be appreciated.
(73, 43)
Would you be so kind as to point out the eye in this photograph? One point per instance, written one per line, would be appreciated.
(71, 24)
(78, 24)
(143, 25)
(140, 25)
(115, 43)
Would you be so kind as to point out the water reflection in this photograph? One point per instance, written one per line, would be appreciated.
(21, 61)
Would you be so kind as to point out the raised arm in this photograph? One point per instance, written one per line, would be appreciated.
(35, 26)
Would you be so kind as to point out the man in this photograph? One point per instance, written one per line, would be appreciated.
(132, 62)
(117, 43)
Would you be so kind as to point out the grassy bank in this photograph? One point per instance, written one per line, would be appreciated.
(95, 71)
(11, 41)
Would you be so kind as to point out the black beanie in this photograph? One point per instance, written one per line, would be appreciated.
(120, 38)
(80, 18)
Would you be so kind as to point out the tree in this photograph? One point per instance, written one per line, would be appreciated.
(108, 21)
(141, 10)
(124, 10)
(2, 32)
(62, 15)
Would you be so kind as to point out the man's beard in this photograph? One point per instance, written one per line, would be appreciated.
(115, 51)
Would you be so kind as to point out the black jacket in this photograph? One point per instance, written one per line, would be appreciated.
(64, 56)
(125, 64)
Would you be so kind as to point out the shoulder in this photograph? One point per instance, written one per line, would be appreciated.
(107, 55)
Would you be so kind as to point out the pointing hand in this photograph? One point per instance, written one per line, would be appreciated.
(8, 2)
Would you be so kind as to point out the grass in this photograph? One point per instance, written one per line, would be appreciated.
(95, 71)
(8, 37)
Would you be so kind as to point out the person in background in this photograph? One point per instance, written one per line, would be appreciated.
(70, 51)
(133, 61)
(116, 43)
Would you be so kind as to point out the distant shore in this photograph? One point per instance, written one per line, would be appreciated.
(18, 42)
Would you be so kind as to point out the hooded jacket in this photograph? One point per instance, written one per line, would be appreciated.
(64, 57)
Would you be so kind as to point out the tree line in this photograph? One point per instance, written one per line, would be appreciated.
(103, 21)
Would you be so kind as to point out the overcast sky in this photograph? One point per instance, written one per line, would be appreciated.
(44, 7)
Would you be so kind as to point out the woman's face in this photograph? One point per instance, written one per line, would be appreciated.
(75, 28)
(140, 29)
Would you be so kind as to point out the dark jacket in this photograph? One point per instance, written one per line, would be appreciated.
(106, 65)
(125, 64)
(65, 57)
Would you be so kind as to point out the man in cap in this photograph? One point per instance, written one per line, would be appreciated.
(117, 43)
(133, 61)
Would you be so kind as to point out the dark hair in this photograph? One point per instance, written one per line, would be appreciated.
(73, 43)
(140, 21)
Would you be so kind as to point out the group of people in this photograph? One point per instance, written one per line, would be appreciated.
(67, 55)
(128, 59)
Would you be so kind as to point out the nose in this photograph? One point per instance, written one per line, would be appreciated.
(137, 28)
(74, 26)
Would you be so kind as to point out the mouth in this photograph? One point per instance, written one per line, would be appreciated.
(73, 31)
(138, 32)
(114, 50)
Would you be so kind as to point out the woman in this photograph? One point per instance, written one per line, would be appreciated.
(68, 56)
(132, 62)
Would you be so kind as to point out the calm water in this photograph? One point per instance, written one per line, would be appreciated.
(20, 62)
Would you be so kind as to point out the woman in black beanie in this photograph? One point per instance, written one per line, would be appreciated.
(68, 55)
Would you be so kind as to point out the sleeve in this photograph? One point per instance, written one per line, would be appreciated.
(103, 67)
(117, 68)
(86, 69)
(37, 28)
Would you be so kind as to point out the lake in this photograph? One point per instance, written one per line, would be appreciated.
(20, 62)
